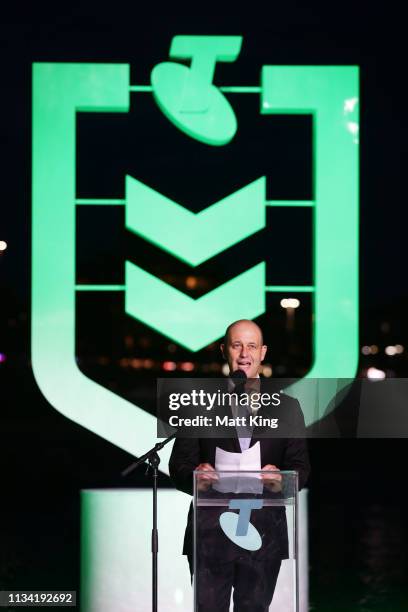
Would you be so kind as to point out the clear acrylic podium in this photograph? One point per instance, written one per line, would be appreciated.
(245, 541)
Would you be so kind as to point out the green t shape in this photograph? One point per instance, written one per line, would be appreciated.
(187, 96)
(204, 52)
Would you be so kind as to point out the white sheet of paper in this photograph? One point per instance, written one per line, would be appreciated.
(248, 460)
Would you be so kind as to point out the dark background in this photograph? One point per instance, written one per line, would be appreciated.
(358, 530)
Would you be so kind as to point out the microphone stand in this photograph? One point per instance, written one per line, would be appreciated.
(153, 460)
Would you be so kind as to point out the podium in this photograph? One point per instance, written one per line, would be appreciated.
(245, 541)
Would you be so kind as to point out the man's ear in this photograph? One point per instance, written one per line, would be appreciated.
(222, 347)
(263, 351)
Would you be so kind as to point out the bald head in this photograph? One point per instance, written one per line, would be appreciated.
(243, 324)
(243, 347)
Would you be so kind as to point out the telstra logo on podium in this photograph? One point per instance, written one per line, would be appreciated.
(201, 111)
(238, 528)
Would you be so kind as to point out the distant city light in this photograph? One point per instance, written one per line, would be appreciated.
(375, 374)
(136, 363)
(187, 366)
(148, 364)
(369, 350)
(290, 303)
(267, 370)
(392, 350)
(3, 245)
(191, 282)
(3, 357)
(169, 366)
(129, 342)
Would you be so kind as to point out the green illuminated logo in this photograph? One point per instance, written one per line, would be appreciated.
(189, 99)
(194, 238)
(187, 96)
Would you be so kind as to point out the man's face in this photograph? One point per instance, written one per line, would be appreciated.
(244, 349)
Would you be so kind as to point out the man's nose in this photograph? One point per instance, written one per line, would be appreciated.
(243, 352)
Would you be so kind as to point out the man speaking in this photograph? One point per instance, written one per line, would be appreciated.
(244, 350)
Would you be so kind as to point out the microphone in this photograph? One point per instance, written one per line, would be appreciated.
(238, 375)
(239, 378)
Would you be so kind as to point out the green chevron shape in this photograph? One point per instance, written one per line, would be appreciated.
(192, 237)
(193, 323)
